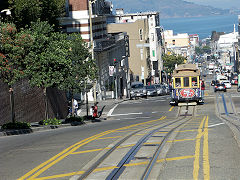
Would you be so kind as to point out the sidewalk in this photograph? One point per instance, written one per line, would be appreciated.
(103, 107)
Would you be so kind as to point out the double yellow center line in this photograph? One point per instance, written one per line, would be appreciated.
(202, 131)
(70, 150)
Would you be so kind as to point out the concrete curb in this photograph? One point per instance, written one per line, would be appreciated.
(31, 130)
(43, 128)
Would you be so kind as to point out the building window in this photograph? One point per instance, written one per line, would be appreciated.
(173, 42)
(137, 78)
(153, 53)
(141, 54)
(141, 34)
(152, 36)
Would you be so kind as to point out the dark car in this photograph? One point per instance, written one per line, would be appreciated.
(137, 90)
(151, 90)
(220, 87)
(160, 90)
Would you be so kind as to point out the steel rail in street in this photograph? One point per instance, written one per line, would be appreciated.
(102, 158)
(115, 174)
(156, 154)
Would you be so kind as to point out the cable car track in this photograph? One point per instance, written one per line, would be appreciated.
(131, 154)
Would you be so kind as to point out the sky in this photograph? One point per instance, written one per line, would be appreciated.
(219, 3)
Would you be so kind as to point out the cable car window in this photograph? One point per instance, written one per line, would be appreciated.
(194, 82)
(178, 82)
(186, 82)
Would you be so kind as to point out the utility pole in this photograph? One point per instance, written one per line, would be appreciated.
(90, 2)
(237, 59)
(115, 76)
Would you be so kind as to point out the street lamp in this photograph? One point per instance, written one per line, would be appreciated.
(90, 2)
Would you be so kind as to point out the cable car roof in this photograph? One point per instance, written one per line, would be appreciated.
(186, 70)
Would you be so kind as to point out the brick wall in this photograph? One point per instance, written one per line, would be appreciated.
(78, 5)
(29, 103)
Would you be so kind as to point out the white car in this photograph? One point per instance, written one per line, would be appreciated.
(227, 84)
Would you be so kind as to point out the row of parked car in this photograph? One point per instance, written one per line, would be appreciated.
(139, 90)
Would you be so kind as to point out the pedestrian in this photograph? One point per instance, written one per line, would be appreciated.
(202, 88)
(75, 106)
(170, 87)
(95, 111)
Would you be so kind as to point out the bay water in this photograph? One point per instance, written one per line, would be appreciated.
(203, 26)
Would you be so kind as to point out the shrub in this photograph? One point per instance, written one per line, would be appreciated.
(51, 121)
(16, 125)
(74, 119)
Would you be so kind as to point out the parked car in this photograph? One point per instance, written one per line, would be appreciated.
(159, 89)
(220, 87)
(227, 84)
(166, 89)
(137, 90)
(151, 90)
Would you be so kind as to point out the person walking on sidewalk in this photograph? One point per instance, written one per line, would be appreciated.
(202, 88)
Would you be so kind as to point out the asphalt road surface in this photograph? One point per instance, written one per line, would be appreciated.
(141, 139)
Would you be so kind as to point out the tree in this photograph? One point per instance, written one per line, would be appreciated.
(13, 51)
(48, 62)
(24, 11)
(202, 50)
(169, 62)
(83, 68)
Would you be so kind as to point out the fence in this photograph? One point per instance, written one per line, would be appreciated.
(29, 103)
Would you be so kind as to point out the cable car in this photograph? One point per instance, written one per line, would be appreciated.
(186, 85)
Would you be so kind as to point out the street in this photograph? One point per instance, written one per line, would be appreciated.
(203, 143)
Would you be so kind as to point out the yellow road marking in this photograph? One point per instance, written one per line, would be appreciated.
(54, 157)
(88, 151)
(180, 140)
(140, 134)
(63, 156)
(113, 167)
(60, 175)
(111, 137)
(73, 148)
(105, 168)
(192, 130)
(136, 164)
(197, 150)
(94, 150)
(178, 158)
(206, 166)
(171, 108)
(161, 132)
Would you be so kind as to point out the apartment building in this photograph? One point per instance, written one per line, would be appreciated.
(178, 44)
(88, 18)
(145, 60)
(194, 39)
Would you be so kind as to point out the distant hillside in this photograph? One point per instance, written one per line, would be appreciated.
(168, 8)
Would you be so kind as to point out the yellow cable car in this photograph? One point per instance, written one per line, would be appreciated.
(186, 84)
